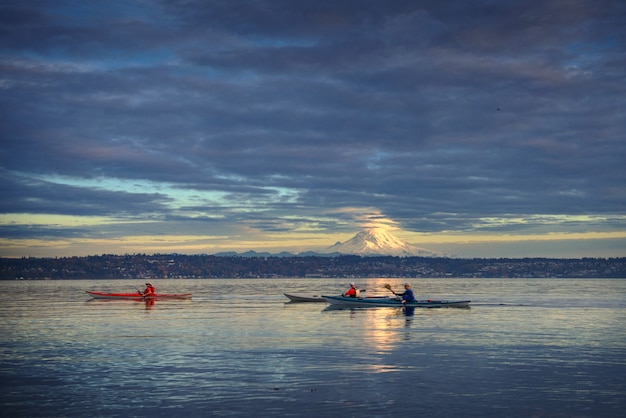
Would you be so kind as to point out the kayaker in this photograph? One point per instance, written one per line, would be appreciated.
(407, 295)
(149, 290)
(353, 292)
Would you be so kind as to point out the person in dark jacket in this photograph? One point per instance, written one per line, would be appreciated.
(407, 295)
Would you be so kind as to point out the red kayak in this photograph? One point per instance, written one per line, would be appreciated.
(137, 296)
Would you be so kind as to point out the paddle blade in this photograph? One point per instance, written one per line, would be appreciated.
(387, 286)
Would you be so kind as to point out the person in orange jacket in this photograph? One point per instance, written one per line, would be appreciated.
(353, 292)
(149, 290)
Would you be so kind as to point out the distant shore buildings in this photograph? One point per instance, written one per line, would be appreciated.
(178, 266)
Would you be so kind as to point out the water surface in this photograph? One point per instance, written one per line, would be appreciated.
(526, 347)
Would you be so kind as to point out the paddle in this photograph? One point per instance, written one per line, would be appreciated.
(388, 287)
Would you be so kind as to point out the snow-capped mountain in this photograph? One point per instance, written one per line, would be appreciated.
(378, 241)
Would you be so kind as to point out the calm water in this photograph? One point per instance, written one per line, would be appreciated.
(529, 347)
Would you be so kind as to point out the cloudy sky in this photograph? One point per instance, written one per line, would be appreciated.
(471, 128)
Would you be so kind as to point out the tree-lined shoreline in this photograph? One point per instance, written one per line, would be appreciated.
(181, 266)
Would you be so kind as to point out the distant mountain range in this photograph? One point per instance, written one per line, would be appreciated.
(368, 242)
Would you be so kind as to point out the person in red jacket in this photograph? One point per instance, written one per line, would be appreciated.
(149, 290)
(353, 292)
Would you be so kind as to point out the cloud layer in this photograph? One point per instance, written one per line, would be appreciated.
(229, 121)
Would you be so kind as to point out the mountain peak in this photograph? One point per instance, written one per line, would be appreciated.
(377, 241)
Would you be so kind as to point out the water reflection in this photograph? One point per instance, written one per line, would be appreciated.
(147, 302)
(378, 328)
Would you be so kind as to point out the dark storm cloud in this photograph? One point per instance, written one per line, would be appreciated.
(43, 197)
(436, 114)
(42, 232)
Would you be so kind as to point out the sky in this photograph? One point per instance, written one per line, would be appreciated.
(470, 128)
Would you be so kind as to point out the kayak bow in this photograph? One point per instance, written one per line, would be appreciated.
(304, 298)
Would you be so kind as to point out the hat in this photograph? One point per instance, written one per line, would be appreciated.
(149, 284)
(352, 284)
